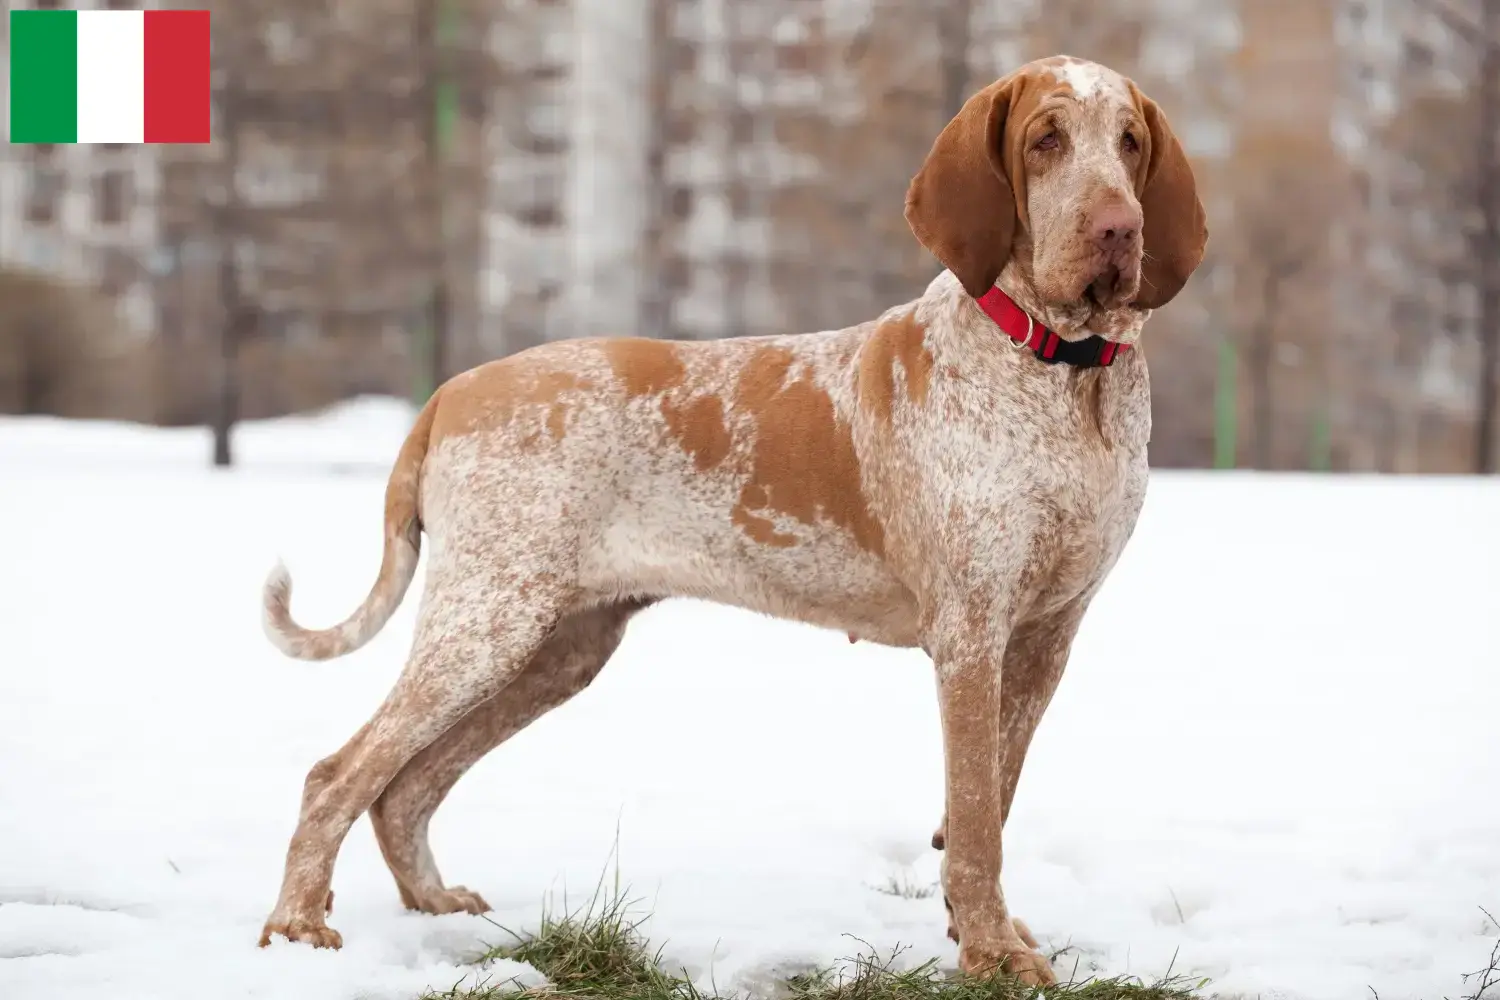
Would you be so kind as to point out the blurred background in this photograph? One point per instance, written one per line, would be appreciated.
(400, 189)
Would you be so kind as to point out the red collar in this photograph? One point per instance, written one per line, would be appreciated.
(1017, 324)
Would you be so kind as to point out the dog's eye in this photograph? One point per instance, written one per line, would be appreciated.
(1129, 142)
(1048, 141)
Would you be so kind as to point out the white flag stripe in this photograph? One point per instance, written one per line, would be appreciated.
(111, 76)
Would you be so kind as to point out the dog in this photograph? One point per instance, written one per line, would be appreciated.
(959, 474)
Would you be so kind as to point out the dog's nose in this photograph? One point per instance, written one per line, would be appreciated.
(1117, 227)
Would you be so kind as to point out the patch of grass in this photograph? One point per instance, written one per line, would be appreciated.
(906, 886)
(869, 977)
(597, 953)
(600, 952)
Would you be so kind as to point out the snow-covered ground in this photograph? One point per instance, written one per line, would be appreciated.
(1275, 755)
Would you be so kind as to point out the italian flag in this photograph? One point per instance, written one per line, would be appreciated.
(109, 76)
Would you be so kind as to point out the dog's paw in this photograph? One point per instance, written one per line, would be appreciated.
(1022, 931)
(1014, 958)
(307, 931)
(1025, 933)
(455, 899)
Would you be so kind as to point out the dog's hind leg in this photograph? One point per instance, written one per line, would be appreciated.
(486, 614)
(564, 666)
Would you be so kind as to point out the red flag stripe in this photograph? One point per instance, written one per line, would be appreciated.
(177, 85)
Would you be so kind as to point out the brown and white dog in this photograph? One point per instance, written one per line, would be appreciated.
(959, 475)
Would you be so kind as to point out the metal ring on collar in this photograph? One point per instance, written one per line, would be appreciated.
(1022, 345)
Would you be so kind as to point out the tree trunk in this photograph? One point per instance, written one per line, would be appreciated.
(955, 21)
(654, 301)
(740, 191)
(227, 398)
(1489, 255)
(438, 98)
(1261, 358)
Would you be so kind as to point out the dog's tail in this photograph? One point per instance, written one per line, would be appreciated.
(398, 564)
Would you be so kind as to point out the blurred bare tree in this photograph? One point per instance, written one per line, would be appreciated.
(1111, 35)
(1282, 240)
(1432, 305)
(955, 26)
(1486, 34)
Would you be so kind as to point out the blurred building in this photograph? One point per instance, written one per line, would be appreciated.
(709, 168)
(1407, 126)
(85, 213)
(789, 130)
(530, 145)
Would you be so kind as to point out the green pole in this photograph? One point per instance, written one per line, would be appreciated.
(447, 88)
(445, 119)
(422, 379)
(1320, 446)
(1226, 406)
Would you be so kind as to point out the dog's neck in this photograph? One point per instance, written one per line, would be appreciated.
(968, 347)
(973, 344)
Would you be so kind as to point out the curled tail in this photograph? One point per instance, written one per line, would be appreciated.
(398, 564)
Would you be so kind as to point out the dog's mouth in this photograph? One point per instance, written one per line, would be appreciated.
(1096, 297)
(1106, 290)
(1103, 304)
(1110, 290)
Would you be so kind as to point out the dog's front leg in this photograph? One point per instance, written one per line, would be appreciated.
(969, 654)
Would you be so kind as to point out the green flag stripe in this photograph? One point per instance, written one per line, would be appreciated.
(43, 76)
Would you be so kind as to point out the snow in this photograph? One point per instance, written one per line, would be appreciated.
(1273, 761)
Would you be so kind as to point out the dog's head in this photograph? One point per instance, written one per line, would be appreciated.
(1067, 172)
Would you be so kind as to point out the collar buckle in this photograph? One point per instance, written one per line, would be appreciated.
(1047, 351)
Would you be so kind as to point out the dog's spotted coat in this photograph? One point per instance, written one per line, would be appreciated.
(915, 480)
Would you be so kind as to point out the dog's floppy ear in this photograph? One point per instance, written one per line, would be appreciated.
(1176, 228)
(961, 205)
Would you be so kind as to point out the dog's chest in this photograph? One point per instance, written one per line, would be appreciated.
(1041, 498)
(1078, 533)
